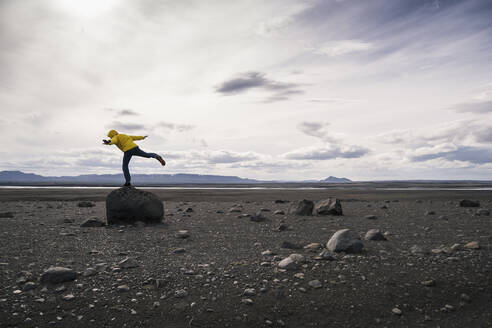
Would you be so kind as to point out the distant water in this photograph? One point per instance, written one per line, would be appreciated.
(254, 188)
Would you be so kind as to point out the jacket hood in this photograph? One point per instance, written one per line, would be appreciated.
(112, 133)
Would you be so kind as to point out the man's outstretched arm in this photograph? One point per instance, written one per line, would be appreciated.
(138, 137)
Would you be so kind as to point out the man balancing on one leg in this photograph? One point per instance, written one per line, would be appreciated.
(126, 144)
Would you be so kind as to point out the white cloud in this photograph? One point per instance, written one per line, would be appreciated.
(342, 47)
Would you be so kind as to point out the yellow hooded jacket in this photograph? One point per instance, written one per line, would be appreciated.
(123, 141)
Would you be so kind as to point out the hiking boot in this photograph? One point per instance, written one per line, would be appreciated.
(128, 184)
(160, 159)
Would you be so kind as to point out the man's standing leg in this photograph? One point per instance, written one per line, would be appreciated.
(126, 160)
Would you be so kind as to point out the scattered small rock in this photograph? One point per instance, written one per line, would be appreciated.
(247, 301)
(290, 245)
(375, 235)
(483, 212)
(303, 207)
(85, 203)
(279, 212)
(429, 283)
(123, 288)
(469, 203)
(6, 215)
(370, 217)
(472, 245)
(288, 264)
(89, 272)
(128, 263)
(68, 297)
(315, 284)
(396, 311)
(183, 234)
(249, 292)
(345, 240)
(258, 217)
(329, 206)
(56, 275)
(29, 286)
(282, 227)
(326, 255)
(180, 293)
(430, 213)
(313, 246)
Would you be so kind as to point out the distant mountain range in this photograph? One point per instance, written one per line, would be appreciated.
(21, 178)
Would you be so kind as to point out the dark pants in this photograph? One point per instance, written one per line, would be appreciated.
(128, 156)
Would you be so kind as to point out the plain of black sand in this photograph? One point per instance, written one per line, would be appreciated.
(205, 280)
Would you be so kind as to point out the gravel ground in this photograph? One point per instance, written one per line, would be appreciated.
(218, 277)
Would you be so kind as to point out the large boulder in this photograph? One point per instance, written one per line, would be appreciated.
(129, 205)
(345, 240)
(302, 207)
(329, 206)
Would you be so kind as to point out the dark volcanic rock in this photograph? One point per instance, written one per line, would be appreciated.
(345, 240)
(130, 205)
(85, 203)
(290, 245)
(329, 206)
(56, 275)
(302, 207)
(483, 212)
(6, 215)
(94, 222)
(258, 217)
(374, 234)
(469, 203)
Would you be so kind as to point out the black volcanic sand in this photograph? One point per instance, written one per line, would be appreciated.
(222, 258)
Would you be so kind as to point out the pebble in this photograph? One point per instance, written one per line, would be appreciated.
(247, 301)
(483, 212)
(183, 234)
(288, 264)
(313, 246)
(472, 245)
(429, 283)
(279, 212)
(325, 255)
(315, 284)
(396, 311)
(89, 272)
(299, 275)
(371, 217)
(249, 292)
(123, 288)
(180, 293)
(128, 263)
(29, 286)
(68, 297)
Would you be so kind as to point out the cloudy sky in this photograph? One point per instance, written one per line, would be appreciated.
(278, 89)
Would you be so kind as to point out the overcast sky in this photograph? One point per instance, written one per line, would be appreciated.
(287, 89)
